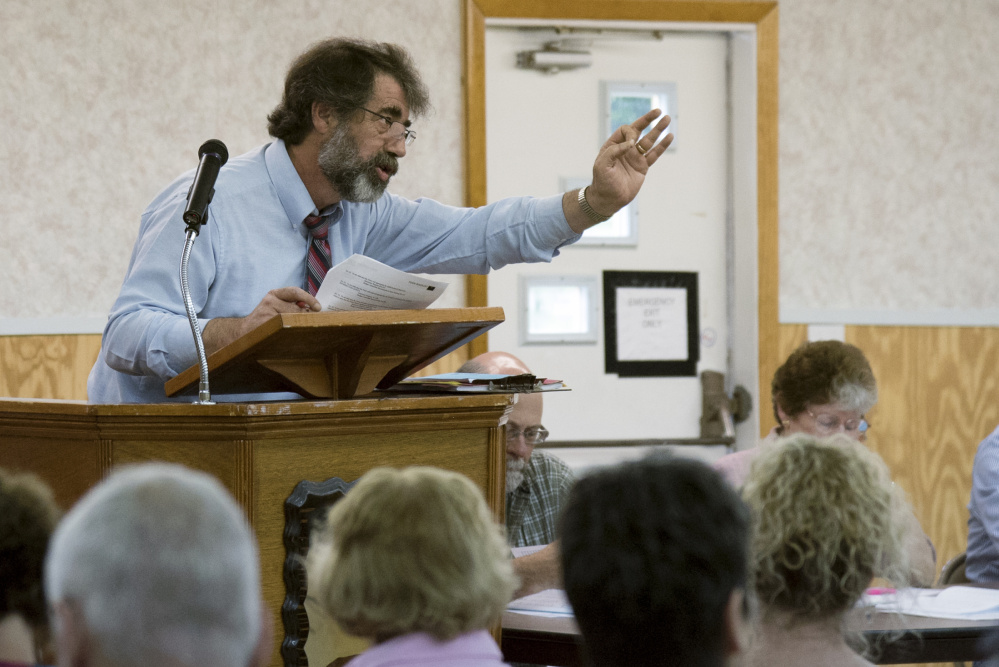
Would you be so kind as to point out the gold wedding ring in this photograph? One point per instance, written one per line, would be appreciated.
(641, 150)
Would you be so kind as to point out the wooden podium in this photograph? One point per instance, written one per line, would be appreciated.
(337, 355)
(261, 451)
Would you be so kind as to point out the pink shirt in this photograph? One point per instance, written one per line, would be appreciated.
(735, 467)
(473, 649)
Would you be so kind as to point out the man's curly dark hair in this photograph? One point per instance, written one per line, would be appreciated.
(341, 73)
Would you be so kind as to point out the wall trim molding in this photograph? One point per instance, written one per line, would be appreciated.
(49, 326)
(929, 317)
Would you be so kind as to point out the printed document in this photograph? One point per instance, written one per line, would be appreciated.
(362, 283)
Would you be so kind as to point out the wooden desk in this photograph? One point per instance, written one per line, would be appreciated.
(556, 641)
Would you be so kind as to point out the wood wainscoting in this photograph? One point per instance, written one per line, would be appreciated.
(939, 396)
(51, 366)
(57, 366)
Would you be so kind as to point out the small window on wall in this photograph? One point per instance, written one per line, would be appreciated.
(558, 309)
(623, 102)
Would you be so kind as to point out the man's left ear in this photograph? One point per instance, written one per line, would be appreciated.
(738, 623)
(323, 118)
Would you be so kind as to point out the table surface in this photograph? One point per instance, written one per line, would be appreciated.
(899, 638)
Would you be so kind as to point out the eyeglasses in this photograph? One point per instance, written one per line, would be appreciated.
(832, 423)
(533, 435)
(385, 124)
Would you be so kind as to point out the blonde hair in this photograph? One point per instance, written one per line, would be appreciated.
(825, 513)
(413, 550)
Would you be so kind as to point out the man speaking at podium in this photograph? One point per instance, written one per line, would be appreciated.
(284, 213)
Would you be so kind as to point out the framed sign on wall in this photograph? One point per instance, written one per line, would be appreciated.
(651, 323)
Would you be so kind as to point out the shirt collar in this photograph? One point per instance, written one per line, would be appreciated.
(294, 196)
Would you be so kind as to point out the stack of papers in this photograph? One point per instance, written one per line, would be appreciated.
(957, 602)
(479, 382)
(551, 602)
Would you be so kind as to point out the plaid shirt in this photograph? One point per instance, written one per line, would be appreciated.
(532, 510)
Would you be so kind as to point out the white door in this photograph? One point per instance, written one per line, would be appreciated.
(543, 130)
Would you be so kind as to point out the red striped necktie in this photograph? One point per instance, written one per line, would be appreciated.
(319, 260)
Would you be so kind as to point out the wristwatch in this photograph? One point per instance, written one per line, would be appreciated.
(588, 210)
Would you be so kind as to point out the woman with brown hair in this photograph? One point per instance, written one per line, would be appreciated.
(825, 388)
(28, 515)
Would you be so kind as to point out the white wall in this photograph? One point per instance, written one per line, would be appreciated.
(104, 103)
(888, 177)
(889, 182)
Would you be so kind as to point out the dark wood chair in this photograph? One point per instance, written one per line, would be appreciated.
(953, 571)
(307, 504)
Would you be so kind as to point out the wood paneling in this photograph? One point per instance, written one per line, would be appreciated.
(58, 366)
(47, 366)
(938, 397)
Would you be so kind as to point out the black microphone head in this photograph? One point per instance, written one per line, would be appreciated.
(214, 146)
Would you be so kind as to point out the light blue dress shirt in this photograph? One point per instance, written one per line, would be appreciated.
(255, 241)
(982, 564)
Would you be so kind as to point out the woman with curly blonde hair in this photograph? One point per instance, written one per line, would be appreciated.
(824, 512)
(413, 560)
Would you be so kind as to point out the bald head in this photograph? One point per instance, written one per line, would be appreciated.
(496, 363)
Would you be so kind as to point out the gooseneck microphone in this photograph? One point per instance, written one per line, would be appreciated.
(213, 154)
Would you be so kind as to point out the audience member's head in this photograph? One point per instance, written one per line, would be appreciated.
(523, 428)
(654, 557)
(28, 515)
(155, 566)
(824, 512)
(823, 388)
(412, 550)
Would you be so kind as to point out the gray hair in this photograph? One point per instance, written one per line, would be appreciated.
(163, 567)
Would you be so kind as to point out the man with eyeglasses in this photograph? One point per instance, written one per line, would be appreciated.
(288, 210)
(537, 483)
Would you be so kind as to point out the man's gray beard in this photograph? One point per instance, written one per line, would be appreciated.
(355, 179)
(514, 473)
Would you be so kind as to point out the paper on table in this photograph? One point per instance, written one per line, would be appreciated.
(519, 552)
(362, 283)
(551, 602)
(958, 602)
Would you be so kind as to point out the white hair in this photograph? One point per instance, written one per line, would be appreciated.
(164, 568)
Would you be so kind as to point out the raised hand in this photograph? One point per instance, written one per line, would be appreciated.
(620, 168)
